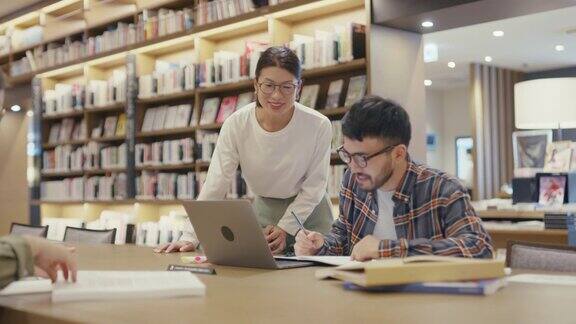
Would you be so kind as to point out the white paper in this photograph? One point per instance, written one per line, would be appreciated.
(32, 285)
(107, 285)
(562, 280)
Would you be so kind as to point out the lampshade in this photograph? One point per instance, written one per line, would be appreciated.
(545, 103)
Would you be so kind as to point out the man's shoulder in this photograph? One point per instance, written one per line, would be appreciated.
(437, 180)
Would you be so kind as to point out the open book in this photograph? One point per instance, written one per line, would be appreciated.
(107, 285)
(425, 268)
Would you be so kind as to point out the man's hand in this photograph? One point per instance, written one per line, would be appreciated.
(50, 257)
(179, 246)
(276, 238)
(308, 242)
(366, 249)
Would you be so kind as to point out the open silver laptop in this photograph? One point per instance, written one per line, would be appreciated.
(230, 235)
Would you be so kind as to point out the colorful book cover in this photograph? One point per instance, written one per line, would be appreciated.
(309, 95)
(209, 110)
(244, 99)
(558, 157)
(334, 94)
(227, 107)
(356, 90)
(552, 190)
(121, 125)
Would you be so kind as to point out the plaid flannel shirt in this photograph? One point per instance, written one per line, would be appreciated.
(432, 215)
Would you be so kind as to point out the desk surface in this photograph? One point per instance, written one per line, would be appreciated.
(280, 296)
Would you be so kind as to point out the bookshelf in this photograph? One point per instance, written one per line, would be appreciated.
(274, 25)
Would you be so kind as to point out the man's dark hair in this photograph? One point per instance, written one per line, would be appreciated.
(374, 116)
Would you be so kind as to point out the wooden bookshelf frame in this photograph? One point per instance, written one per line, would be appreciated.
(202, 41)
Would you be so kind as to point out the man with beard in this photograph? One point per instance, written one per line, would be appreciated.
(391, 206)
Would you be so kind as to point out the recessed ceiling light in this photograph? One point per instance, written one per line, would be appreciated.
(427, 82)
(451, 64)
(559, 48)
(29, 113)
(427, 24)
(488, 59)
(15, 108)
(498, 33)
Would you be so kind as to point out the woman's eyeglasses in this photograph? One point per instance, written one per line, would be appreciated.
(284, 88)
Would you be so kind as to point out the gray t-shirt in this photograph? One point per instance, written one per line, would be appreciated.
(385, 228)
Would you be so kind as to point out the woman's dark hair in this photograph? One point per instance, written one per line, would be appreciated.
(374, 116)
(282, 57)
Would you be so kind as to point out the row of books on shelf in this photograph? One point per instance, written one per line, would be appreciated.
(66, 130)
(109, 126)
(95, 188)
(149, 25)
(165, 153)
(169, 186)
(92, 156)
(216, 109)
(168, 117)
(345, 43)
(66, 98)
(335, 95)
(17, 38)
(167, 78)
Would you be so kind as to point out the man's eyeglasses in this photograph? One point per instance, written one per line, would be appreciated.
(360, 159)
(285, 88)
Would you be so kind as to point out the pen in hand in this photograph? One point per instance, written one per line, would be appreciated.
(300, 224)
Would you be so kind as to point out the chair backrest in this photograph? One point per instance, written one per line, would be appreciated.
(89, 236)
(24, 229)
(539, 256)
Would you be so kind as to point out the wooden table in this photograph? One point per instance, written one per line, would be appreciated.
(242, 295)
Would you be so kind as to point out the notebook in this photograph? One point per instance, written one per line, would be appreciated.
(107, 285)
(321, 259)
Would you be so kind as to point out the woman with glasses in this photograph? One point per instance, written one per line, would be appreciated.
(283, 150)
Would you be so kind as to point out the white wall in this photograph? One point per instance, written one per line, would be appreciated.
(448, 115)
(397, 72)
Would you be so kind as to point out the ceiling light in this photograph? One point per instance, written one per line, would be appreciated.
(427, 82)
(15, 108)
(488, 59)
(497, 33)
(559, 48)
(29, 113)
(427, 24)
(451, 64)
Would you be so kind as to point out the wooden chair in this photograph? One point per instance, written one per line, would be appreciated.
(24, 229)
(540, 256)
(89, 236)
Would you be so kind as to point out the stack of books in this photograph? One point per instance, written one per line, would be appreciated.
(555, 221)
(121, 35)
(110, 126)
(168, 229)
